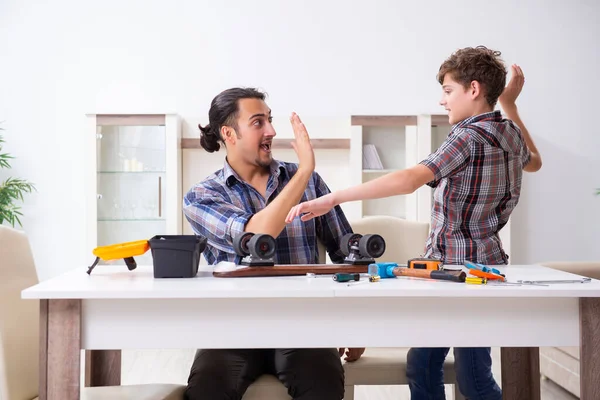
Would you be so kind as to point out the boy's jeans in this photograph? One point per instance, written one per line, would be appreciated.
(473, 373)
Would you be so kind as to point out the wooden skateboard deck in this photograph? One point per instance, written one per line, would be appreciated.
(291, 270)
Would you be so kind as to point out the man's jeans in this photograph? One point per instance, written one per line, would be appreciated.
(473, 373)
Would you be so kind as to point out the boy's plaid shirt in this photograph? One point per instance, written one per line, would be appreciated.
(478, 172)
(219, 207)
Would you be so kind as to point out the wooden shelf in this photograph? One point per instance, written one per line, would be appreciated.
(439, 119)
(282, 143)
(383, 120)
(395, 120)
(379, 171)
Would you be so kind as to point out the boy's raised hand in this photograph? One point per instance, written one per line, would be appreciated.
(514, 87)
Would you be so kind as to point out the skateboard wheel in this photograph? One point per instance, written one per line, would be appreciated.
(262, 246)
(348, 241)
(372, 246)
(240, 244)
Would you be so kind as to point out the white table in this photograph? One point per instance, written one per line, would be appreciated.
(117, 309)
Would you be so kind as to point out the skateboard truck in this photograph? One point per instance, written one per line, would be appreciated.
(362, 250)
(256, 250)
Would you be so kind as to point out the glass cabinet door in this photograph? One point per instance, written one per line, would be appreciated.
(131, 182)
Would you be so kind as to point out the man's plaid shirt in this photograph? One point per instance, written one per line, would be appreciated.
(219, 207)
(478, 172)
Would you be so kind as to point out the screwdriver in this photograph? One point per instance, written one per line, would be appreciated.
(472, 280)
(344, 277)
(475, 281)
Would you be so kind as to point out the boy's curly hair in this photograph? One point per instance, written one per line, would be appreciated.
(477, 64)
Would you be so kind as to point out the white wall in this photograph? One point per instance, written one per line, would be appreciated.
(62, 59)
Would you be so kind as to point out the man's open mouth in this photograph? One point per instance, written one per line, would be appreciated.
(266, 146)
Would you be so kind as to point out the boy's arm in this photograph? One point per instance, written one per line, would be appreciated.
(395, 183)
(535, 159)
(450, 159)
(508, 100)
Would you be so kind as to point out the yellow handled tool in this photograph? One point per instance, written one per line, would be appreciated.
(475, 280)
(126, 251)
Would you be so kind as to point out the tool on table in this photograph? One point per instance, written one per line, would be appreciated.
(484, 281)
(488, 275)
(583, 280)
(481, 267)
(345, 277)
(425, 263)
(126, 251)
(390, 270)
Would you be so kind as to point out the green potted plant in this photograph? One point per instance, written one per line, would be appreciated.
(11, 192)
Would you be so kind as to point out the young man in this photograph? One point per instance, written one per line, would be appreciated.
(477, 175)
(253, 193)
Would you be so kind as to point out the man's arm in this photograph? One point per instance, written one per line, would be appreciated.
(214, 217)
(508, 100)
(271, 219)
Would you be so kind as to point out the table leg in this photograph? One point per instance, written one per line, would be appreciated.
(103, 368)
(60, 346)
(520, 373)
(589, 350)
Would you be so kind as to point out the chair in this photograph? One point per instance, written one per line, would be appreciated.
(378, 366)
(387, 366)
(19, 333)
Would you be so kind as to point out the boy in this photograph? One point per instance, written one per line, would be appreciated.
(477, 176)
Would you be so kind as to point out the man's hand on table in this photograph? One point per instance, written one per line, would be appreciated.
(351, 354)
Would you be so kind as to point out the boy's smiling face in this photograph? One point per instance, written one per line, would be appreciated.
(457, 100)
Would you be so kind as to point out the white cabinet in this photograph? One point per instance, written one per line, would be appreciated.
(134, 178)
(400, 141)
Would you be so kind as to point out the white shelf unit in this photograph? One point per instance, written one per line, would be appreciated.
(133, 178)
(395, 140)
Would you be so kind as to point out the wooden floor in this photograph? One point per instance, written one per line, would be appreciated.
(549, 389)
(173, 366)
